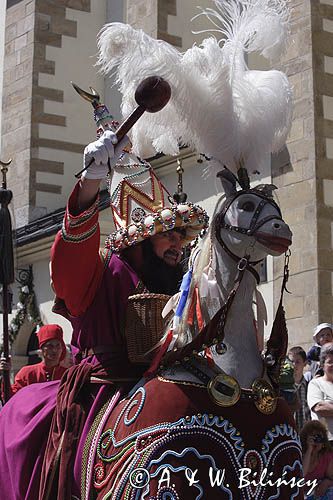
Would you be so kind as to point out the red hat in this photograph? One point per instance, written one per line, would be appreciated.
(51, 332)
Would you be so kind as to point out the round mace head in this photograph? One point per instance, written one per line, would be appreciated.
(153, 93)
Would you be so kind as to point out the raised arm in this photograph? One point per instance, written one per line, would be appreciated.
(76, 266)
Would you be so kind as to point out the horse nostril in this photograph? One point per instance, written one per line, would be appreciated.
(276, 225)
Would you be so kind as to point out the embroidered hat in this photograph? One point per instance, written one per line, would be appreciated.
(51, 332)
(319, 328)
(141, 207)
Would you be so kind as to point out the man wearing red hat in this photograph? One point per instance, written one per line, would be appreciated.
(50, 338)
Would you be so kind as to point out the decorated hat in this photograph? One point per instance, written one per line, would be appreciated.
(51, 332)
(142, 207)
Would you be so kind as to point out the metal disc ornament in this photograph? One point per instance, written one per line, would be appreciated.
(264, 396)
(224, 390)
(221, 348)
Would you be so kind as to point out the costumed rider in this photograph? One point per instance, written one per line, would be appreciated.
(104, 296)
(142, 256)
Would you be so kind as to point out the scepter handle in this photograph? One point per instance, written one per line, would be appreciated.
(151, 95)
(120, 132)
(129, 122)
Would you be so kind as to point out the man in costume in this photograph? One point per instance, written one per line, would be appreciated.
(102, 298)
(51, 343)
(93, 292)
(237, 117)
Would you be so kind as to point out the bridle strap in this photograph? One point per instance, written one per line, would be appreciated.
(254, 225)
(235, 257)
(277, 343)
(211, 334)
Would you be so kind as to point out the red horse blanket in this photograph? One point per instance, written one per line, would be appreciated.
(171, 441)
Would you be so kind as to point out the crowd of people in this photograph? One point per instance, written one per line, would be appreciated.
(307, 386)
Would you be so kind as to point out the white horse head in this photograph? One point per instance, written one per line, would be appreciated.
(249, 222)
(247, 226)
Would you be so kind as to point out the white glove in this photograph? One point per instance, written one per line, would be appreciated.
(104, 153)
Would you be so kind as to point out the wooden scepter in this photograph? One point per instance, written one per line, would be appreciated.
(6, 266)
(151, 95)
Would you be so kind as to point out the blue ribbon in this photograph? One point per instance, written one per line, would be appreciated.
(184, 288)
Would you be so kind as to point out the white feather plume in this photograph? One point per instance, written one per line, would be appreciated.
(218, 106)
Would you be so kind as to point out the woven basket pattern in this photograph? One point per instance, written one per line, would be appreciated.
(144, 325)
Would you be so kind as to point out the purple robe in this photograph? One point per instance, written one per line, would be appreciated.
(25, 420)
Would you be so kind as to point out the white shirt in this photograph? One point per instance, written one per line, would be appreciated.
(321, 390)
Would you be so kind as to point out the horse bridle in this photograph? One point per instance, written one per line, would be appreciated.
(249, 231)
(261, 393)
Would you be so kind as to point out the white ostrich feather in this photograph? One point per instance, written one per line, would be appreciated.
(132, 56)
(218, 106)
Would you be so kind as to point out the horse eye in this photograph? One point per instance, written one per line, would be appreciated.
(248, 206)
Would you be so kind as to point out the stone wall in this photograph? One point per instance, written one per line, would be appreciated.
(143, 14)
(17, 102)
(167, 8)
(322, 19)
(304, 176)
(2, 54)
(32, 27)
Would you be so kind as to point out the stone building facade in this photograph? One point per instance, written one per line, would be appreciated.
(304, 175)
(45, 126)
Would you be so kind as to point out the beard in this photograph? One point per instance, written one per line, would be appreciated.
(158, 276)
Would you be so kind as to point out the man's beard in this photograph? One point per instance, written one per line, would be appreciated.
(158, 276)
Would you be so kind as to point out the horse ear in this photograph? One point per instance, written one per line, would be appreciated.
(228, 182)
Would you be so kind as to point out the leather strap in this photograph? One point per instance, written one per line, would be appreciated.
(211, 334)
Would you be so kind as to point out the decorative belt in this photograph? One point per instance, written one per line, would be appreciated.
(225, 391)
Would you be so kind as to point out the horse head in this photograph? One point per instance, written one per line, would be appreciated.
(249, 222)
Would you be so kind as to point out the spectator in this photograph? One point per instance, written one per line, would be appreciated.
(287, 386)
(53, 349)
(322, 335)
(297, 357)
(320, 391)
(317, 459)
